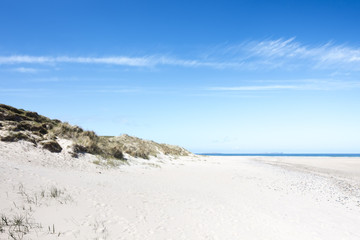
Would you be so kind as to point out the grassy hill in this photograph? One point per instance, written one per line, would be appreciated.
(18, 124)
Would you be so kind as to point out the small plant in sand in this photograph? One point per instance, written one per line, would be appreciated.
(4, 221)
(154, 165)
(97, 162)
(59, 195)
(29, 198)
(38, 198)
(51, 230)
(17, 226)
(100, 230)
(111, 162)
(55, 192)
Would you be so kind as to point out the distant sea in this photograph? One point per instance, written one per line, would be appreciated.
(285, 154)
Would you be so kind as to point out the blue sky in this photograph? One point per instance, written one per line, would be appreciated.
(212, 76)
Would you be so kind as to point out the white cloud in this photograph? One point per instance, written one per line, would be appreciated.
(112, 90)
(267, 54)
(18, 90)
(277, 48)
(313, 84)
(25, 70)
(127, 61)
(289, 51)
(253, 88)
(24, 59)
(145, 61)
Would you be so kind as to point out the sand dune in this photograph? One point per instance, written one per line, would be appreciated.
(182, 198)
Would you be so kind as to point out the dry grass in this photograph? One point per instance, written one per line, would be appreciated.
(30, 126)
(17, 136)
(18, 225)
(138, 147)
(51, 145)
(19, 222)
(37, 198)
(87, 141)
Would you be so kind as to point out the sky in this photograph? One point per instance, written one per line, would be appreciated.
(211, 76)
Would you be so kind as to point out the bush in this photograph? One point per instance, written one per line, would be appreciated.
(91, 147)
(117, 153)
(79, 148)
(15, 137)
(51, 145)
(38, 129)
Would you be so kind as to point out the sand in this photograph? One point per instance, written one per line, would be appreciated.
(179, 198)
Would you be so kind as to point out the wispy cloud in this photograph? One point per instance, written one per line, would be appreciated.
(111, 90)
(25, 70)
(289, 51)
(253, 55)
(16, 90)
(320, 85)
(127, 61)
(253, 88)
(145, 61)
(99, 90)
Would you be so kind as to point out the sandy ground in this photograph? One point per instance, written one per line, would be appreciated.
(186, 198)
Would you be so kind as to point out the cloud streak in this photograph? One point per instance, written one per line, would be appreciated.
(253, 88)
(254, 55)
(288, 51)
(25, 70)
(127, 61)
(319, 85)
(145, 61)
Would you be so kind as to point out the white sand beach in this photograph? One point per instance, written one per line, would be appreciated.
(179, 198)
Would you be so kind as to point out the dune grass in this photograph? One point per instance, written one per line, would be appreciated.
(32, 127)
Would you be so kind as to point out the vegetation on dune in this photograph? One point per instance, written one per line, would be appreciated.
(144, 148)
(51, 145)
(30, 126)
